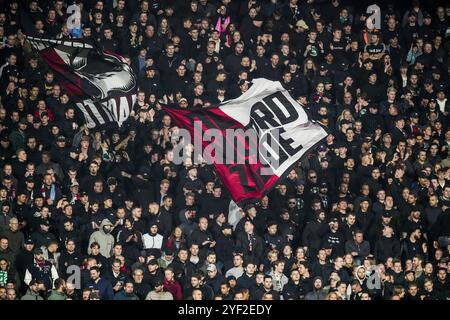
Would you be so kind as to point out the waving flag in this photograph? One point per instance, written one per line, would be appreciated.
(102, 84)
(257, 137)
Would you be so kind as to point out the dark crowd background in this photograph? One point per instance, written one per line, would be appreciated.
(108, 215)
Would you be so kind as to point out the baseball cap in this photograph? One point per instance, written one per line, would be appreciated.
(227, 226)
(229, 278)
(61, 139)
(440, 89)
(168, 251)
(387, 214)
(29, 241)
(322, 148)
(74, 184)
(152, 262)
(29, 179)
(211, 267)
(302, 24)
(44, 223)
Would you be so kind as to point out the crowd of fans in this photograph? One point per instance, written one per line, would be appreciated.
(110, 216)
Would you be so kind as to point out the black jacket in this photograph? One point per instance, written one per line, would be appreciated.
(312, 236)
(225, 247)
(252, 246)
(69, 259)
(387, 247)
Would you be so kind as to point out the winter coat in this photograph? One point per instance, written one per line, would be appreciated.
(16, 240)
(31, 296)
(106, 241)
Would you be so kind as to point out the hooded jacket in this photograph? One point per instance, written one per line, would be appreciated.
(105, 240)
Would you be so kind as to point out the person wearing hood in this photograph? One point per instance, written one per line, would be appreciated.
(187, 219)
(318, 292)
(104, 238)
(152, 240)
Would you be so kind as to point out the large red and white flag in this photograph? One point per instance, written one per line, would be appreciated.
(255, 138)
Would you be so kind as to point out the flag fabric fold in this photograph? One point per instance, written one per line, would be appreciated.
(101, 83)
